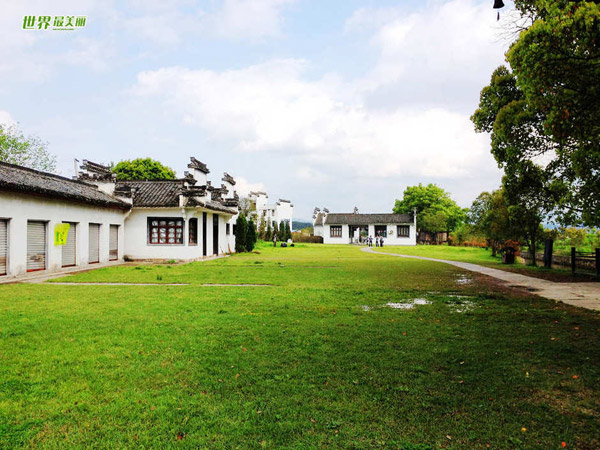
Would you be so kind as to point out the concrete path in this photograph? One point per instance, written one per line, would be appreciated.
(584, 295)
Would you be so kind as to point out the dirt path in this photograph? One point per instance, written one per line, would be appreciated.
(584, 295)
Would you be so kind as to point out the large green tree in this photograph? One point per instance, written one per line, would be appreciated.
(435, 208)
(532, 187)
(490, 218)
(28, 151)
(556, 65)
(142, 169)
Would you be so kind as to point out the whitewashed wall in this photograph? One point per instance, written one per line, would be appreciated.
(19, 208)
(392, 238)
(284, 211)
(136, 235)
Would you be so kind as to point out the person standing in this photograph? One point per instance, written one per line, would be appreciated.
(274, 240)
(377, 241)
(381, 241)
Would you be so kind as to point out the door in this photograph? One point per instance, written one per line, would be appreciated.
(36, 246)
(69, 250)
(215, 234)
(204, 250)
(94, 253)
(3, 246)
(113, 243)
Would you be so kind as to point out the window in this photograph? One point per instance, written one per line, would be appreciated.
(403, 231)
(227, 229)
(193, 232)
(335, 231)
(381, 230)
(165, 231)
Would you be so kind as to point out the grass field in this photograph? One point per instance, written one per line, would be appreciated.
(484, 257)
(315, 360)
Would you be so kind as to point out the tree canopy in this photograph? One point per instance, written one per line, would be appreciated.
(27, 151)
(554, 95)
(490, 217)
(436, 211)
(531, 188)
(143, 169)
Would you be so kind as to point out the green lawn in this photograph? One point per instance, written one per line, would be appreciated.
(316, 360)
(484, 257)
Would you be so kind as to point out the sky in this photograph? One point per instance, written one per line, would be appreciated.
(328, 103)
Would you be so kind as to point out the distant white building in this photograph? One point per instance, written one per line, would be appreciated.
(280, 211)
(335, 228)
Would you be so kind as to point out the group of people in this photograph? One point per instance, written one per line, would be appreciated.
(378, 241)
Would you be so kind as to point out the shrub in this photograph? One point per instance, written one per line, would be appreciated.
(299, 237)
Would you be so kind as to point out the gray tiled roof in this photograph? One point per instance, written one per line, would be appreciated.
(21, 179)
(154, 193)
(366, 219)
(165, 194)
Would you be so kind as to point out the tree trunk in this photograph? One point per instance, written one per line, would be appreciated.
(532, 249)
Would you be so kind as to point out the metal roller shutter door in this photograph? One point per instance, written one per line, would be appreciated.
(69, 250)
(36, 246)
(113, 243)
(94, 254)
(3, 246)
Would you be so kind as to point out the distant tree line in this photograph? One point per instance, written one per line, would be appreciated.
(266, 232)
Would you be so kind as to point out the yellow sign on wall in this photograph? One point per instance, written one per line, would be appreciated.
(61, 231)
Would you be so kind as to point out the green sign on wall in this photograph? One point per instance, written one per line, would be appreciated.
(61, 231)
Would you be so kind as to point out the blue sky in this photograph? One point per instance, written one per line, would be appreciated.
(328, 103)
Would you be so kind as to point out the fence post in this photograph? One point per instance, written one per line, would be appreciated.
(548, 253)
(598, 262)
(573, 260)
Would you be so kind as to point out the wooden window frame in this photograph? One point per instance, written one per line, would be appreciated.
(166, 227)
(401, 227)
(337, 228)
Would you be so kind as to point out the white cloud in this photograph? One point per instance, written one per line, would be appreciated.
(255, 19)
(243, 187)
(270, 107)
(6, 119)
(234, 19)
(402, 120)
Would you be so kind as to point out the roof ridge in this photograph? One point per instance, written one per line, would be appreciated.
(149, 181)
(49, 174)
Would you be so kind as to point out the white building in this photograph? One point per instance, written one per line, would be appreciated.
(105, 220)
(395, 229)
(280, 211)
